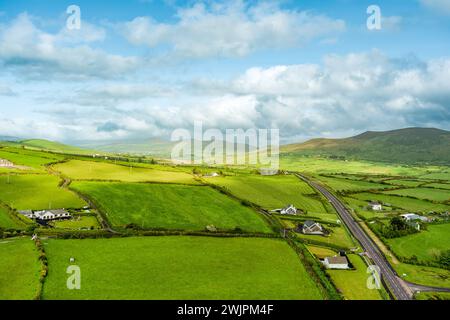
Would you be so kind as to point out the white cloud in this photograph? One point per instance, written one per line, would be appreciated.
(231, 30)
(442, 6)
(22, 44)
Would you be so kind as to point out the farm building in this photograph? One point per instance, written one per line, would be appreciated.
(312, 227)
(5, 163)
(288, 210)
(409, 217)
(46, 214)
(211, 175)
(376, 206)
(339, 262)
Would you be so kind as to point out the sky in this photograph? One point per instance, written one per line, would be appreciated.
(143, 68)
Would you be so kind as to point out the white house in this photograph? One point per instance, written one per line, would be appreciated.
(290, 210)
(336, 262)
(46, 214)
(211, 175)
(312, 227)
(376, 206)
(6, 164)
(408, 217)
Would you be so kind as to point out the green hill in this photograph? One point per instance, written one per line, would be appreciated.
(40, 144)
(410, 145)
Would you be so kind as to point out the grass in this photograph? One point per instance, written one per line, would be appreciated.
(338, 236)
(409, 204)
(423, 193)
(432, 296)
(438, 185)
(423, 275)
(178, 268)
(7, 221)
(273, 192)
(425, 245)
(321, 252)
(78, 222)
(28, 158)
(405, 183)
(351, 185)
(171, 206)
(19, 269)
(94, 170)
(33, 191)
(437, 176)
(353, 283)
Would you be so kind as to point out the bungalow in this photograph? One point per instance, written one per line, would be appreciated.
(409, 217)
(211, 175)
(46, 214)
(6, 164)
(375, 206)
(312, 227)
(288, 210)
(337, 262)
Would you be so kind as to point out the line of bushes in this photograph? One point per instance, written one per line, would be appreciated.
(44, 267)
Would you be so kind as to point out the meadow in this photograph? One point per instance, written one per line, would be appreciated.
(31, 159)
(405, 183)
(351, 185)
(438, 185)
(423, 193)
(424, 245)
(36, 191)
(273, 192)
(338, 237)
(353, 283)
(95, 170)
(19, 269)
(178, 268)
(78, 222)
(170, 206)
(7, 221)
(409, 204)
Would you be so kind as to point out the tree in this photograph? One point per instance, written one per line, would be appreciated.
(398, 224)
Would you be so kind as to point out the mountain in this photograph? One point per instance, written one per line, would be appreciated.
(409, 146)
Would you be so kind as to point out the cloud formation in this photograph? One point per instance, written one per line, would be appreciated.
(442, 6)
(231, 29)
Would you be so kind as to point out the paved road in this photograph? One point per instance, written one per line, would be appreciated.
(398, 288)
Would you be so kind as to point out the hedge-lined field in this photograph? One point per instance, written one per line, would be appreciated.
(7, 221)
(423, 193)
(273, 192)
(32, 159)
(92, 170)
(36, 191)
(178, 268)
(170, 206)
(351, 185)
(19, 269)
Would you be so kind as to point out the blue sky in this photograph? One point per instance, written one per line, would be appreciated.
(143, 68)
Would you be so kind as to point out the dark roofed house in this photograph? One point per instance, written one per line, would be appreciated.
(312, 227)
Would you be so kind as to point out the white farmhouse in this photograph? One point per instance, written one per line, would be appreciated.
(338, 262)
(408, 217)
(289, 210)
(6, 164)
(46, 214)
(375, 206)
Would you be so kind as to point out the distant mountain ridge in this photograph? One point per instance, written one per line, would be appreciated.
(409, 146)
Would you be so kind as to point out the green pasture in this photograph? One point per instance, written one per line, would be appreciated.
(178, 268)
(351, 185)
(170, 206)
(422, 193)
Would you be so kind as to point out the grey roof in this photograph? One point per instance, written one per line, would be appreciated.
(337, 260)
(25, 212)
(309, 223)
(58, 211)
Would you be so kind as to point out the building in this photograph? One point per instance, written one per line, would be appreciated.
(376, 206)
(290, 210)
(312, 227)
(211, 175)
(46, 214)
(409, 217)
(5, 163)
(338, 262)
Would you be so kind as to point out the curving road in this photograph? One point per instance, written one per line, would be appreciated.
(398, 288)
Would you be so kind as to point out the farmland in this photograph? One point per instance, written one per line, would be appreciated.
(19, 269)
(273, 192)
(178, 268)
(351, 185)
(423, 193)
(7, 221)
(36, 191)
(170, 206)
(424, 245)
(353, 283)
(92, 170)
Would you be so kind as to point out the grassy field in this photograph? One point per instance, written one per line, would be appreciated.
(92, 170)
(425, 244)
(432, 296)
(338, 236)
(442, 175)
(409, 204)
(351, 185)
(178, 268)
(423, 193)
(353, 283)
(171, 206)
(405, 183)
(321, 252)
(445, 186)
(273, 192)
(427, 276)
(7, 221)
(330, 166)
(79, 222)
(19, 269)
(31, 159)
(36, 191)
